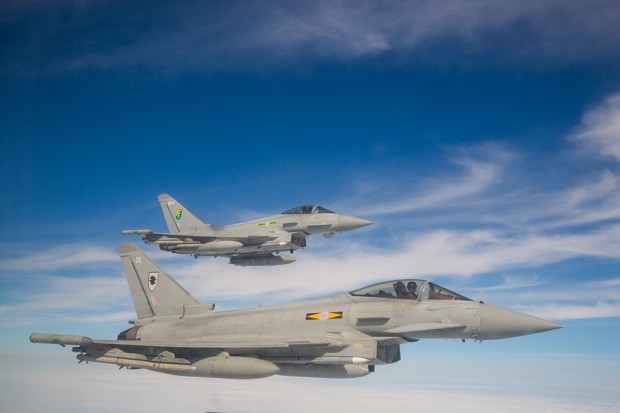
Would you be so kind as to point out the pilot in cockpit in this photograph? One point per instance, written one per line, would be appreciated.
(411, 288)
(399, 288)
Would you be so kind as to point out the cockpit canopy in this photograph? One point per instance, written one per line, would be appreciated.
(308, 209)
(410, 290)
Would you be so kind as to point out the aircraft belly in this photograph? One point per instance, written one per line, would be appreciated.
(342, 354)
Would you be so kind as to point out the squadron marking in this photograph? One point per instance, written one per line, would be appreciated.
(324, 315)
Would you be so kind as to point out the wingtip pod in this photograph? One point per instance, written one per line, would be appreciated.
(136, 231)
(127, 248)
(60, 339)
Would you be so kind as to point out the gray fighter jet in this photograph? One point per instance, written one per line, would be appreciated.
(247, 243)
(336, 337)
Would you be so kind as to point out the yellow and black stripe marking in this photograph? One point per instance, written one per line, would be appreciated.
(324, 315)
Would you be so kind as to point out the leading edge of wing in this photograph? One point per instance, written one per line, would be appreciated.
(232, 343)
(218, 344)
(154, 237)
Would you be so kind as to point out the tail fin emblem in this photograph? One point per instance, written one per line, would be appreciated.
(153, 277)
(178, 213)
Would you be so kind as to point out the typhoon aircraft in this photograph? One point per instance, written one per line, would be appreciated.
(251, 243)
(343, 336)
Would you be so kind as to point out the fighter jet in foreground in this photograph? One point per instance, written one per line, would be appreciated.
(336, 337)
(247, 243)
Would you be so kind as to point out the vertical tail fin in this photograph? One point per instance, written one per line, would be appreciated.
(154, 292)
(178, 218)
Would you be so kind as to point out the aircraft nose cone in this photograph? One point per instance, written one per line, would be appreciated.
(347, 223)
(497, 322)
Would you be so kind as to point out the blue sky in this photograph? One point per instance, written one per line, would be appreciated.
(481, 137)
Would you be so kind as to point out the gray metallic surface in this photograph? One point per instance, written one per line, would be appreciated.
(259, 238)
(497, 322)
(335, 337)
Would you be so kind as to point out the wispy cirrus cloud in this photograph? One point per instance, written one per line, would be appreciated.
(62, 256)
(494, 186)
(477, 256)
(106, 317)
(600, 128)
(198, 35)
(512, 283)
(475, 176)
(559, 311)
(75, 293)
(560, 300)
(434, 255)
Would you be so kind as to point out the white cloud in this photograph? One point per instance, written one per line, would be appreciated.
(61, 256)
(511, 283)
(346, 29)
(600, 128)
(67, 292)
(614, 282)
(567, 293)
(492, 190)
(477, 176)
(434, 254)
(338, 267)
(53, 384)
(557, 300)
(68, 299)
(274, 33)
(101, 318)
(557, 311)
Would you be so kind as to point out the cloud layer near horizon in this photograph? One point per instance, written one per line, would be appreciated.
(394, 384)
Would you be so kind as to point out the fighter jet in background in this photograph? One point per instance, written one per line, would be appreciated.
(337, 337)
(247, 243)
